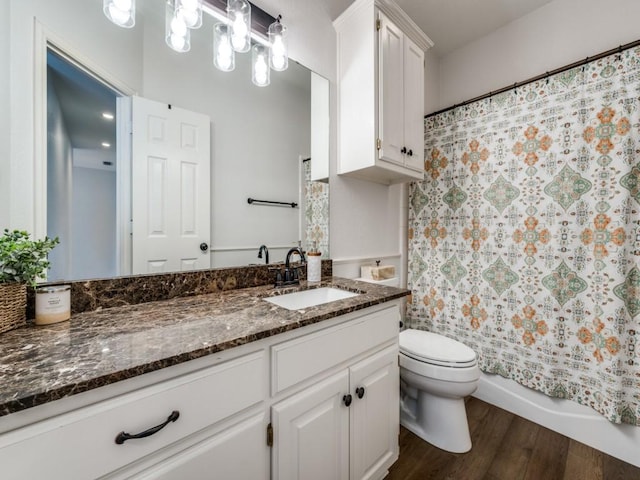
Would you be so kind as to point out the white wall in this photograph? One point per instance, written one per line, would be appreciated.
(431, 82)
(5, 135)
(94, 221)
(94, 37)
(556, 34)
(59, 193)
(254, 151)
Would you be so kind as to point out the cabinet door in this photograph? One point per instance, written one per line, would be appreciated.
(413, 105)
(239, 452)
(374, 417)
(391, 96)
(311, 433)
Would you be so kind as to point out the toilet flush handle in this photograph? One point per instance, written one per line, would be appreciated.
(360, 392)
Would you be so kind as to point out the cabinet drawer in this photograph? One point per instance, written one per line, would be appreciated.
(304, 357)
(89, 449)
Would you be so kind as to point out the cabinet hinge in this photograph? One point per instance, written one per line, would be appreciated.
(378, 25)
(378, 144)
(269, 435)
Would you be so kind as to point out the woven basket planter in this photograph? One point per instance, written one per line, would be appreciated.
(13, 306)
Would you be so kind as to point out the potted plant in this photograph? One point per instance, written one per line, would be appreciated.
(22, 261)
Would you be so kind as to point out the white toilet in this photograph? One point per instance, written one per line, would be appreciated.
(436, 373)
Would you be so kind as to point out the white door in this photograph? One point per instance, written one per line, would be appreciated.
(391, 99)
(375, 416)
(170, 175)
(413, 105)
(311, 433)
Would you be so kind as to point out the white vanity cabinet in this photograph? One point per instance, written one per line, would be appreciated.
(380, 93)
(345, 424)
(321, 401)
(81, 444)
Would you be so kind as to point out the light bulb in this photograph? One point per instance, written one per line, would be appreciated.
(189, 17)
(191, 5)
(239, 34)
(260, 66)
(178, 27)
(225, 53)
(120, 12)
(224, 56)
(124, 5)
(277, 38)
(177, 41)
(191, 12)
(119, 16)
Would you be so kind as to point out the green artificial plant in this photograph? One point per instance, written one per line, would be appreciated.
(23, 260)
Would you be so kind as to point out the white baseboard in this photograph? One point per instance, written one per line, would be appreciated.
(568, 418)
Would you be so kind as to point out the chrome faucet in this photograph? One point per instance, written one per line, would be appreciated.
(266, 253)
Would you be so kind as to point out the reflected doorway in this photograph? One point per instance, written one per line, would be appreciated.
(81, 171)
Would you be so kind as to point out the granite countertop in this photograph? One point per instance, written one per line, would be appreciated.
(39, 364)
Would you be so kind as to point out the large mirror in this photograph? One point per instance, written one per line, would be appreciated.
(259, 140)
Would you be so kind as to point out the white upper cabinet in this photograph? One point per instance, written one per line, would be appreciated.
(380, 93)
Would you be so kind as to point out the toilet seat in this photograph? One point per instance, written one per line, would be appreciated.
(435, 349)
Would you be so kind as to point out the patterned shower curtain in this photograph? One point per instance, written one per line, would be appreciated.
(524, 238)
(316, 212)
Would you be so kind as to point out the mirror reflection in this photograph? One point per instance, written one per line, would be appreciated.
(249, 142)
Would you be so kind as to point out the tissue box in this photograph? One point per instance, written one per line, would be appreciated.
(378, 273)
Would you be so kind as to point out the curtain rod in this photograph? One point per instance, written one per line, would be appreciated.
(579, 63)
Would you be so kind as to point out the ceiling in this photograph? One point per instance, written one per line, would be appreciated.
(454, 23)
(82, 101)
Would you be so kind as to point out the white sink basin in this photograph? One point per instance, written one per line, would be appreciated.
(309, 298)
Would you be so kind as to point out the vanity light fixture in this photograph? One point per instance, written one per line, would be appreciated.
(224, 57)
(177, 33)
(236, 31)
(120, 12)
(106, 144)
(260, 65)
(278, 59)
(239, 14)
(107, 115)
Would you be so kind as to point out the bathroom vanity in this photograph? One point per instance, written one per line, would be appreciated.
(247, 389)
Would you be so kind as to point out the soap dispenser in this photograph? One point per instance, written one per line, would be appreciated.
(314, 264)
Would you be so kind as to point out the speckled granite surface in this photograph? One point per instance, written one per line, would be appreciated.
(42, 364)
(88, 295)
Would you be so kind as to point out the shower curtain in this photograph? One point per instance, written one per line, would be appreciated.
(524, 237)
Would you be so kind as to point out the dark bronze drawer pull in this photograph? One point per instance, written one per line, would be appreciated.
(123, 437)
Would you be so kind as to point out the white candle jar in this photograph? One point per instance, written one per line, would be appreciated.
(53, 304)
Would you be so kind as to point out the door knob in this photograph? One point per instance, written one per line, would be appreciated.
(204, 247)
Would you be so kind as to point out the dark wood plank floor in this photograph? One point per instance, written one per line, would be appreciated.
(507, 447)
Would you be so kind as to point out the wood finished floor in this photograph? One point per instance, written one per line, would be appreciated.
(507, 447)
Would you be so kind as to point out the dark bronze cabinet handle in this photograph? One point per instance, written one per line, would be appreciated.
(410, 153)
(360, 392)
(347, 400)
(403, 150)
(123, 437)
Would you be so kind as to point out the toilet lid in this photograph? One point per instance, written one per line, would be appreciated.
(433, 348)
